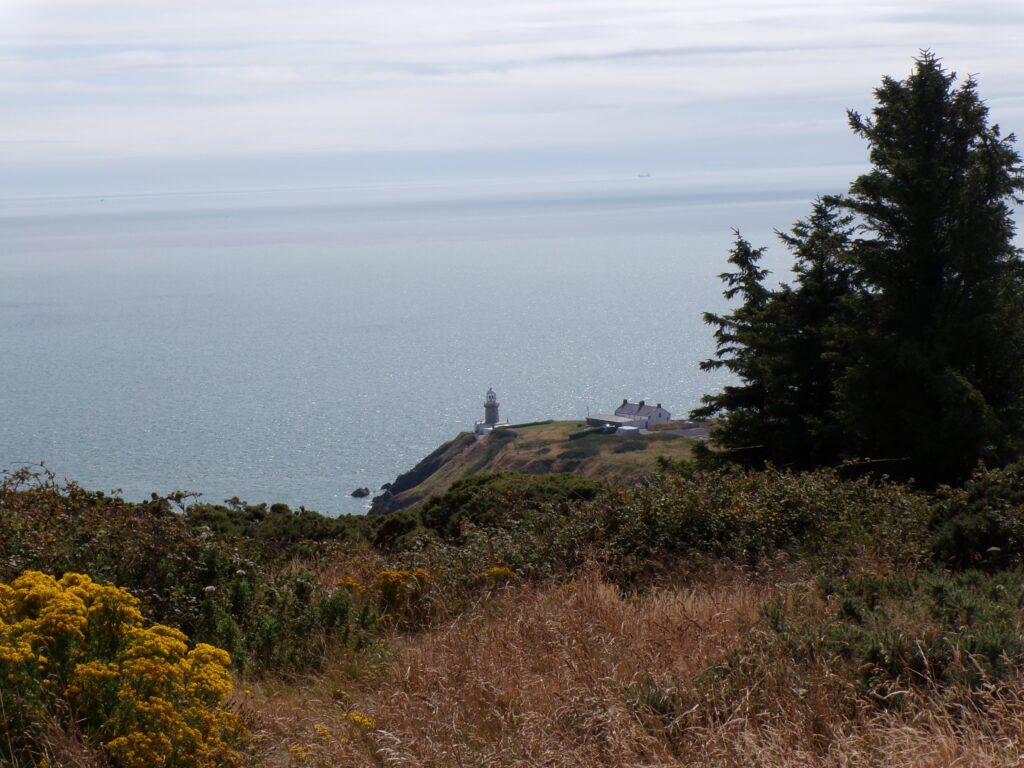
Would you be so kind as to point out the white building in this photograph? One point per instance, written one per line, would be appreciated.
(638, 415)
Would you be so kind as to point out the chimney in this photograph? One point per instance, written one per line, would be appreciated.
(625, 400)
(641, 403)
(659, 406)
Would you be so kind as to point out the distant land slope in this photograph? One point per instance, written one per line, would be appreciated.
(537, 448)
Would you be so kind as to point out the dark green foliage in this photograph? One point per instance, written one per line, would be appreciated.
(589, 431)
(804, 360)
(53, 528)
(907, 629)
(938, 337)
(901, 340)
(628, 446)
(738, 337)
(398, 530)
(288, 627)
(584, 451)
(981, 525)
(237, 593)
(501, 499)
(779, 345)
(650, 700)
(279, 525)
(750, 516)
(267, 601)
(675, 523)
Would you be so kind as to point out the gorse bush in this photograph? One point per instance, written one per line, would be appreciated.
(285, 622)
(749, 516)
(58, 528)
(274, 602)
(904, 630)
(279, 525)
(674, 523)
(981, 525)
(239, 592)
(80, 654)
(401, 595)
(498, 500)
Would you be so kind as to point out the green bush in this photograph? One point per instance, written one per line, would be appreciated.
(748, 516)
(580, 452)
(907, 629)
(238, 593)
(673, 524)
(981, 525)
(249, 578)
(628, 446)
(498, 500)
(398, 530)
(279, 525)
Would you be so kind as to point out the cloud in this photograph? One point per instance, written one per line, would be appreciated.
(84, 80)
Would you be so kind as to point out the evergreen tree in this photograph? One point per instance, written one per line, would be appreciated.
(936, 348)
(903, 345)
(738, 337)
(807, 361)
(779, 344)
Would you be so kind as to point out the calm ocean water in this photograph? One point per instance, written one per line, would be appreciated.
(292, 346)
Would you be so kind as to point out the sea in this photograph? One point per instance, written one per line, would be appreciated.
(293, 345)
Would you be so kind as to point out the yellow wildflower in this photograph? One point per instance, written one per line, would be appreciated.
(136, 689)
(363, 721)
(499, 573)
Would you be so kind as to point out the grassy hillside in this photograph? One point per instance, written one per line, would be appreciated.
(534, 449)
(719, 618)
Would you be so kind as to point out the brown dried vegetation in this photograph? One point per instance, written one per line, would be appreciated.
(581, 674)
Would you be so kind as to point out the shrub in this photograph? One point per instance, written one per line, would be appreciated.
(981, 525)
(908, 629)
(498, 500)
(397, 530)
(627, 446)
(747, 516)
(401, 595)
(586, 451)
(81, 654)
(240, 591)
(279, 526)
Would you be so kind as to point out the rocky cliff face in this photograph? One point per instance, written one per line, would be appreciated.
(400, 493)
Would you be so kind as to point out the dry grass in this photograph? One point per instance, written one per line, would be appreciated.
(564, 676)
(538, 678)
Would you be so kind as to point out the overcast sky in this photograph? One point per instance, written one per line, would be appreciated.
(106, 96)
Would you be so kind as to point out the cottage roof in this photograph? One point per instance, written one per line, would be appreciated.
(637, 410)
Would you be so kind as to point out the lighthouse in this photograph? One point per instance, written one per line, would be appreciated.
(491, 408)
(491, 419)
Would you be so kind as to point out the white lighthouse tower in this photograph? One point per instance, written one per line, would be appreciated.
(491, 418)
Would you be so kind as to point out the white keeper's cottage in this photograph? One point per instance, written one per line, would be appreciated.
(636, 415)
